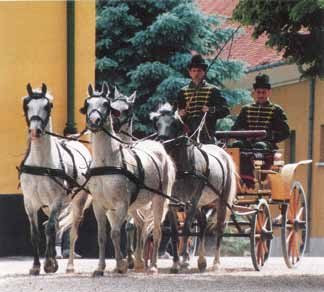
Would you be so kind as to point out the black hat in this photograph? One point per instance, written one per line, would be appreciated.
(262, 81)
(197, 61)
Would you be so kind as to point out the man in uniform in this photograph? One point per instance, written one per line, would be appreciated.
(198, 98)
(261, 115)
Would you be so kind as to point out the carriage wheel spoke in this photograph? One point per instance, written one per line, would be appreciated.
(260, 254)
(300, 213)
(265, 247)
(265, 223)
(260, 220)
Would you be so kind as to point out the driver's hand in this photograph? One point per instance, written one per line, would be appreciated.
(205, 108)
(182, 112)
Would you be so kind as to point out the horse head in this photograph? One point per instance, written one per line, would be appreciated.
(37, 107)
(96, 107)
(122, 109)
(167, 123)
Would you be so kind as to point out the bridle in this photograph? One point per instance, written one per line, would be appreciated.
(118, 121)
(35, 96)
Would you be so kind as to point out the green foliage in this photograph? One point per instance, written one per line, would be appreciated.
(295, 27)
(146, 45)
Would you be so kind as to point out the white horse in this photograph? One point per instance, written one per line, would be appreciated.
(122, 116)
(124, 179)
(123, 107)
(50, 172)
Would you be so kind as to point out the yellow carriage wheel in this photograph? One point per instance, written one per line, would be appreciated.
(261, 235)
(294, 229)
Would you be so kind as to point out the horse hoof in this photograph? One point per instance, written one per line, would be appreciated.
(174, 270)
(69, 270)
(50, 265)
(184, 265)
(202, 265)
(152, 271)
(215, 267)
(122, 267)
(97, 273)
(130, 262)
(139, 266)
(34, 271)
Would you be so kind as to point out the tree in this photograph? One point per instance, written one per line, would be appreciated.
(145, 45)
(295, 27)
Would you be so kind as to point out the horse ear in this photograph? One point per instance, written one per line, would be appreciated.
(29, 89)
(154, 115)
(117, 93)
(131, 99)
(44, 89)
(105, 89)
(90, 90)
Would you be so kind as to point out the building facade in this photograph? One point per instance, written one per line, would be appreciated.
(51, 42)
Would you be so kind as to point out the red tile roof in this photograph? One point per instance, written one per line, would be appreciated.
(244, 47)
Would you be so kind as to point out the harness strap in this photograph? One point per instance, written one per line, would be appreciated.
(108, 170)
(52, 173)
(156, 166)
(75, 172)
(141, 174)
(205, 176)
(74, 138)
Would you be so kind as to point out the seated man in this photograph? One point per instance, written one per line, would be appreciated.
(261, 115)
(199, 97)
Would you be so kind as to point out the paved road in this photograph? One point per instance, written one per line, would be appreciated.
(236, 274)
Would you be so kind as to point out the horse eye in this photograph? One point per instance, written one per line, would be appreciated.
(105, 104)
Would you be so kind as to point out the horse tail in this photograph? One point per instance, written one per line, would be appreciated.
(230, 187)
(65, 219)
(66, 216)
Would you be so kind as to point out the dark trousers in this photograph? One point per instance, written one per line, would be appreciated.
(247, 162)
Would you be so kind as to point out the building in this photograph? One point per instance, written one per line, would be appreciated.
(51, 42)
(302, 101)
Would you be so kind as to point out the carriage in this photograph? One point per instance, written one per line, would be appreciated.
(276, 192)
(250, 212)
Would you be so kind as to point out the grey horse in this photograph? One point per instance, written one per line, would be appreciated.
(124, 179)
(205, 174)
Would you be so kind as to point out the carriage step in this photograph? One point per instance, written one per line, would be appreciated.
(238, 208)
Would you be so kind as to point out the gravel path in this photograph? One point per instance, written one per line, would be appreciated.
(236, 274)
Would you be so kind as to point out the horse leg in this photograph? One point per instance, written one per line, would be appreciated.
(116, 219)
(50, 264)
(158, 206)
(101, 219)
(202, 223)
(139, 249)
(220, 228)
(190, 214)
(35, 238)
(130, 236)
(174, 240)
(78, 206)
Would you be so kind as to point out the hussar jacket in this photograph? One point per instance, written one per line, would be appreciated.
(270, 117)
(193, 98)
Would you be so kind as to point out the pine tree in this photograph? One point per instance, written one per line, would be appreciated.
(145, 45)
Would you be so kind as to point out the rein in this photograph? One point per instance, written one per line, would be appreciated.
(70, 138)
(139, 181)
(54, 173)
